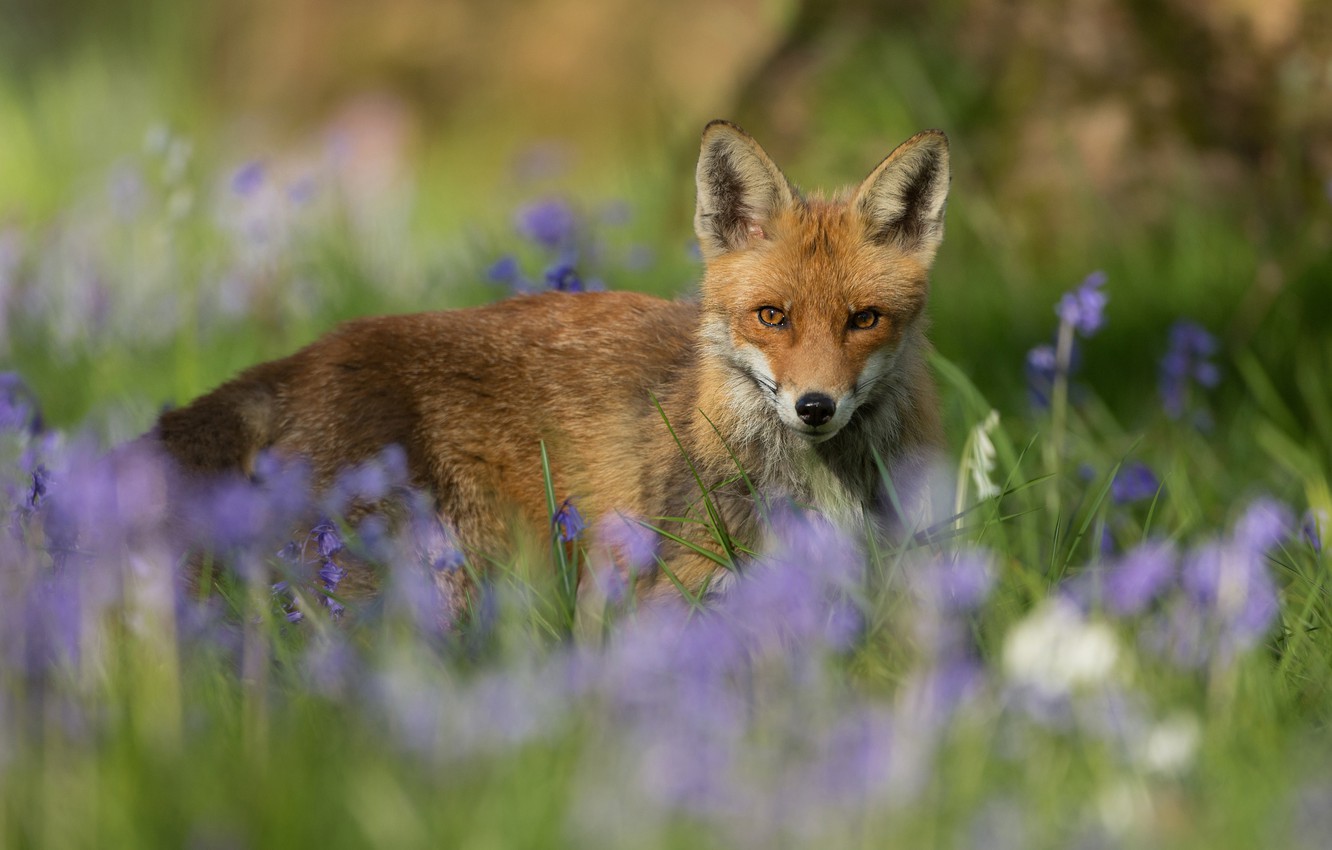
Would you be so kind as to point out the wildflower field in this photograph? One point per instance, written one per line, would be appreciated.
(1113, 633)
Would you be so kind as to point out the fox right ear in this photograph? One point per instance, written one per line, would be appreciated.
(740, 191)
(902, 201)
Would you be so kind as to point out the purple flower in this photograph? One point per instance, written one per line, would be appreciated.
(634, 544)
(804, 588)
(505, 270)
(1265, 523)
(1134, 482)
(1232, 587)
(935, 694)
(549, 223)
(1179, 633)
(330, 574)
(955, 583)
(1187, 361)
(1042, 368)
(19, 410)
(563, 277)
(282, 592)
(248, 178)
(1137, 579)
(326, 539)
(41, 477)
(1084, 307)
(569, 522)
(369, 482)
(330, 665)
(433, 546)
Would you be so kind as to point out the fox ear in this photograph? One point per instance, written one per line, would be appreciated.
(902, 201)
(740, 191)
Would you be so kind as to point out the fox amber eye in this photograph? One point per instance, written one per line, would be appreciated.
(864, 320)
(772, 317)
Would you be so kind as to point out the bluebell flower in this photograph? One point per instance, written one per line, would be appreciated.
(1084, 307)
(1130, 585)
(326, 539)
(330, 574)
(19, 410)
(434, 546)
(1187, 362)
(248, 178)
(367, 483)
(505, 270)
(1134, 482)
(1232, 588)
(563, 277)
(956, 582)
(1042, 368)
(633, 543)
(569, 522)
(41, 477)
(1264, 523)
(549, 223)
(330, 665)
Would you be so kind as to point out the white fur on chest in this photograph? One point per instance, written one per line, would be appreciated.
(818, 486)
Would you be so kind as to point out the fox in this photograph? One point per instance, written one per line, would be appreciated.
(799, 372)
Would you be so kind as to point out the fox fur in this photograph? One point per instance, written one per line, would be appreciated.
(804, 297)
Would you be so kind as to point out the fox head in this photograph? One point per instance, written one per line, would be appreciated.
(810, 300)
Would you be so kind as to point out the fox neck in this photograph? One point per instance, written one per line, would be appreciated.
(838, 477)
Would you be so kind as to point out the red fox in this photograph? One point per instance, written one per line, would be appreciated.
(804, 358)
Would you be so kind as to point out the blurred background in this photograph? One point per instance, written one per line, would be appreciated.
(189, 188)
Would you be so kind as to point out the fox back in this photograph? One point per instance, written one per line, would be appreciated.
(799, 370)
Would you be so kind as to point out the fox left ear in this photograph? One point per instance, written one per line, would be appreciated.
(740, 191)
(902, 201)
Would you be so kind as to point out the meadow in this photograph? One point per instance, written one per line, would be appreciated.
(1115, 637)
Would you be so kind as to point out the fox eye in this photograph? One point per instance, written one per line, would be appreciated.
(864, 320)
(772, 317)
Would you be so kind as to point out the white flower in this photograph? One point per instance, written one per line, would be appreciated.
(982, 457)
(978, 459)
(1055, 650)
(1170, 746)
(1125, 808)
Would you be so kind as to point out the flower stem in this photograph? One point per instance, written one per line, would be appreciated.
(1054, 447)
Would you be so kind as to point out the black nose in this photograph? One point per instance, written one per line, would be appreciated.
(815, 408)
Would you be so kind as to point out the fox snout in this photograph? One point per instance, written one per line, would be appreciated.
(814, 414)
(815, 409)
